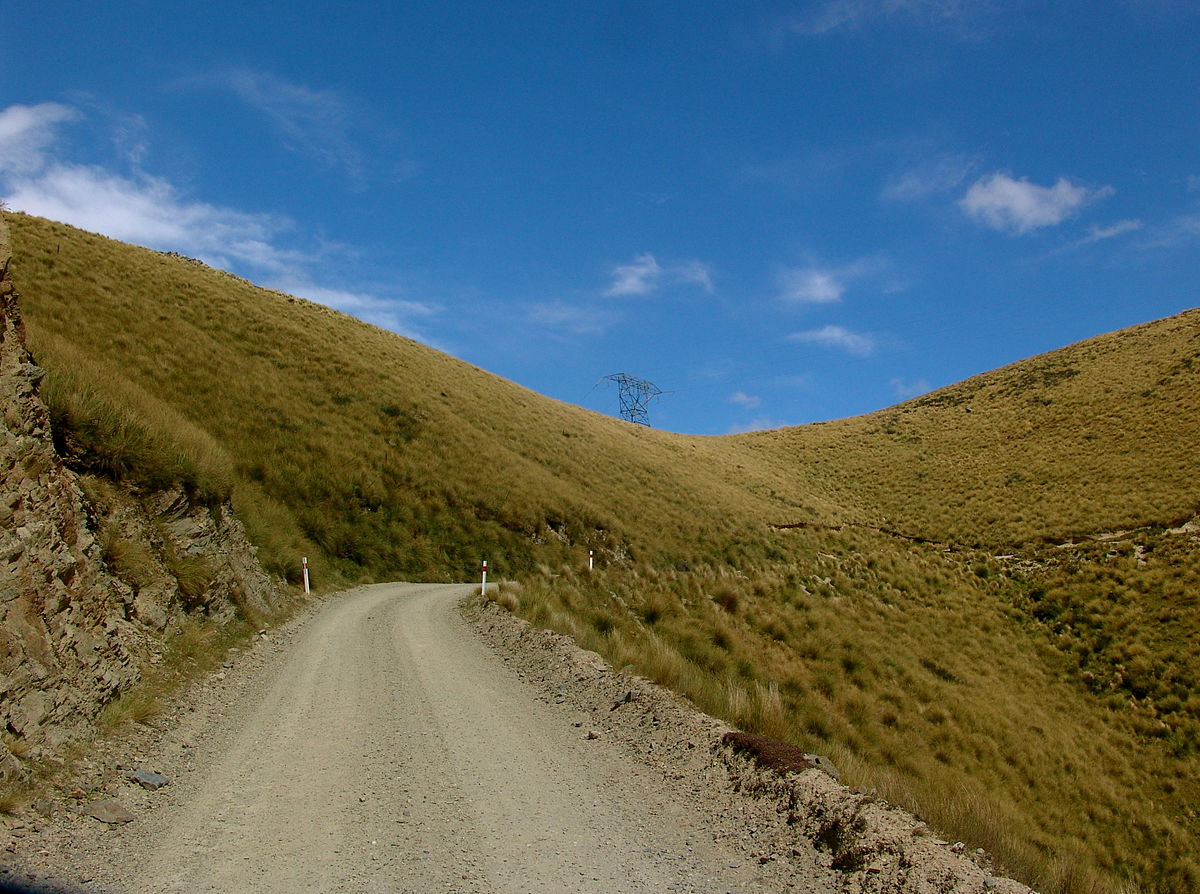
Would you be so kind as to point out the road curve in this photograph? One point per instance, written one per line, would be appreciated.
(387, 749)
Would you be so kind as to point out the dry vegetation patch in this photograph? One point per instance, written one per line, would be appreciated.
(772, 754)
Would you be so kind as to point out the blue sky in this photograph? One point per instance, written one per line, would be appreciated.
(778, 212)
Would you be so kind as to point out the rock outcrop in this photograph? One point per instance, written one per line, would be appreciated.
(65, 644)
(74, 630)
(181, 558)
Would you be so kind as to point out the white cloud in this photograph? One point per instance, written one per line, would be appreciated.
(747, 401)
(839, 337)
(811, 285)
(821, 284)
(758, 423)
(644, 275)
(148, 210)
(387, 313)
(26, 132)
(1120, 228)
(1018, 206)
(637, 278)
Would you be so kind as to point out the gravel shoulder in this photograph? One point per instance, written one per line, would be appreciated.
(390, 741)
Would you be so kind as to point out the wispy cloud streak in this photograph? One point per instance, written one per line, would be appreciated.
(962, 18)
(314, 123)
(856, 343)
(1120, 228)
(644, 276)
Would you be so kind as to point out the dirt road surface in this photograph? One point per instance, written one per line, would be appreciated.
(387, 748)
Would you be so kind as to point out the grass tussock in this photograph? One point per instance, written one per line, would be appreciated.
(130, 559)
(16, 795)
(506, 594)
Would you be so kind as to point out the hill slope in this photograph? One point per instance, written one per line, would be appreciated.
(919, 622)
(424, 463)
(1098, 436)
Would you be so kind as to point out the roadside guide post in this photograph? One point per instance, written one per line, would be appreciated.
(591, 558)
(304, 565)
(483, 584)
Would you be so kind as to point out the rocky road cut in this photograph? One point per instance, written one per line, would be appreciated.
(387, 748)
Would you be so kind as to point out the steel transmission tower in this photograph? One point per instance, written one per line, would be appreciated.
(634, 394)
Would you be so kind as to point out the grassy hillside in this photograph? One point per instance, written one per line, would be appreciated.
(938, 613)
(341, 439)
(1098, 436)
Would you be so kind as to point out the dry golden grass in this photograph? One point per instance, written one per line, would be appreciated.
(1098, 436)
(943, 698)
(371, 454)
(16, 795)
(923, 627)
(506, 594)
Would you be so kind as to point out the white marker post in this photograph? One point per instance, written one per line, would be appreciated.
(483, 585)
(591, 558)
(304, 565)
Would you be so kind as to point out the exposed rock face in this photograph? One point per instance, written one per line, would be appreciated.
(73, 630)
(65, 646)
(194, 559)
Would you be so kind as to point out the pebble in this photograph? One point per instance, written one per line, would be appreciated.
(148, 780)
(112, 812)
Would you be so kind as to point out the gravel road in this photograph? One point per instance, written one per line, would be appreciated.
(387, 748)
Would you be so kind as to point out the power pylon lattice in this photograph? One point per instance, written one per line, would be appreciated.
(634, 394)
